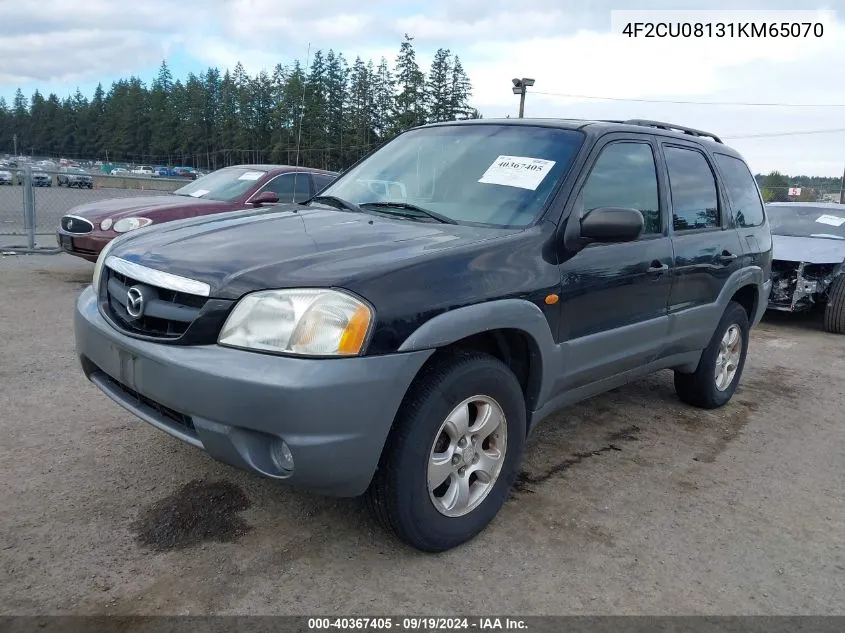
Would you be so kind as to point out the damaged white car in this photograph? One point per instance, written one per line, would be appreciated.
(808, 267)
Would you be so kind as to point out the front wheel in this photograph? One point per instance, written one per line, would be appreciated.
(453, 452)
(834, 311)
(714, 381)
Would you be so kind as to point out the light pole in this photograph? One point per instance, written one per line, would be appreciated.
(519, 88)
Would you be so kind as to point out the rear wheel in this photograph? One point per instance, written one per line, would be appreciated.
(452, 454)
(713, 383)
(834, 312)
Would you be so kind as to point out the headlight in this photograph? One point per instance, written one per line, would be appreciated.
(105, 225)
(124, 225)
(98, 267)
(309, 322)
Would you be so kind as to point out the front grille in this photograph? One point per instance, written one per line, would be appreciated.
(165, 313)
(76, 225)
(183, 420)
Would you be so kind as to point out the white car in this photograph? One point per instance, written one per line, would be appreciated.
(5, 177)
(143, 170)
(117, 171)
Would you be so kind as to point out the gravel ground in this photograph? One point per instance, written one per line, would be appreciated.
(629, 503)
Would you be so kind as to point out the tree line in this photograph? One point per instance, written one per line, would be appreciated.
(775, 187)
(333, 112)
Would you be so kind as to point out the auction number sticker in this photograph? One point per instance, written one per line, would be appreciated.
(832, 220)
(199, 193)
(251, 175)
(517, 171)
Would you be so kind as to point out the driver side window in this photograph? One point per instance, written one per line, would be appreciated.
(290, 187)
(624, 175)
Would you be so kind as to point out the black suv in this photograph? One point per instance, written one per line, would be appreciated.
(401, 333)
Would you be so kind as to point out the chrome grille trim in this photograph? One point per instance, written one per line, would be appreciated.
(76, 219)
(158, 277)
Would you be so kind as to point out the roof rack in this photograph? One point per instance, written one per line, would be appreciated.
(672, 127)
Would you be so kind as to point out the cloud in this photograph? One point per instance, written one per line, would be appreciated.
(566, 45)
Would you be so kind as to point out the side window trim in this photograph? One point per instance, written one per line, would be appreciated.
(616, 139)
(721, 196)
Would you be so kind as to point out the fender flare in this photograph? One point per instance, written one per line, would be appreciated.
(500, 314)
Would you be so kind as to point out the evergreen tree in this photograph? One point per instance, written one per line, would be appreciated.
(410, 81)
(460, 92)
(384, 100)
(439, 87)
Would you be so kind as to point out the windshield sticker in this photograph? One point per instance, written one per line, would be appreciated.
(251, 175)
(199, 193)
(517, 171)
(832, 220)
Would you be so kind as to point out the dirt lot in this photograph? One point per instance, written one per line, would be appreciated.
(630, 503)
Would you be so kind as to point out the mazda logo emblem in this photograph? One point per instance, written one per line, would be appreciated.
(135, 302)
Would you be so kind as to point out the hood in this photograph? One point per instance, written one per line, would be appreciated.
(291, 246)
(147, 206)
(812, 250)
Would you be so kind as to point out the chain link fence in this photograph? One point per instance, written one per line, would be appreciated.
(55, 193)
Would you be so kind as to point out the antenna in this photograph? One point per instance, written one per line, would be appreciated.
(301, 116)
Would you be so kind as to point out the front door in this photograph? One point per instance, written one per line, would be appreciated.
(614, 296)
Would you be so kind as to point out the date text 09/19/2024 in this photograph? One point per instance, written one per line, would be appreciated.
(417, 623)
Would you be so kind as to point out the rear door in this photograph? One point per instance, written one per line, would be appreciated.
(707, 248)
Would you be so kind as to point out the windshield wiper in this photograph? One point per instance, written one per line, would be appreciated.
(410, 207)
(336, 202)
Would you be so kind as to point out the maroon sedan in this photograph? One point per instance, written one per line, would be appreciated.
(87, 228)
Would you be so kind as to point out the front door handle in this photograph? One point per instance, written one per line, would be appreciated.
(727, 257)
(658, 267)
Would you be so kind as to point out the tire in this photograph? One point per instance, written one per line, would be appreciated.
(399, 496)
(834, 311)
(701, 388)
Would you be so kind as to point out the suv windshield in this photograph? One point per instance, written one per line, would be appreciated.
(809, 221)
(488, 174)
(226, 185)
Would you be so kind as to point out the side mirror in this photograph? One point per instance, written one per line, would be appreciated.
(612, 224)
(265, 197)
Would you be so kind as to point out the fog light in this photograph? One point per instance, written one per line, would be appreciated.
(281, 455)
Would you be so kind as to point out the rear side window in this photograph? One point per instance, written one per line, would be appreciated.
(745, 199)
(624, 175)
(695, 201)
(284, 186)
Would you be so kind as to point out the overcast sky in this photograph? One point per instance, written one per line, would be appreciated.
(58, 45)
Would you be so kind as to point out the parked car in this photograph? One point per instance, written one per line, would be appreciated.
(85, 229)
(74, 177)
(187, 172)
(39, 178)
(5, 177)
(119, 171)
(143, 170)
(403, 348)
(808, 271)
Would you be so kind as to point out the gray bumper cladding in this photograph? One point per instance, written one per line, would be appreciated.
(333, 414)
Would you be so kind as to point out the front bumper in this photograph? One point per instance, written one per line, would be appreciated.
(84, 245)
(334, 414)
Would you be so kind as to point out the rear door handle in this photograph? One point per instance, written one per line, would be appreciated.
(727, 257)
(658, 267)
